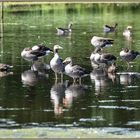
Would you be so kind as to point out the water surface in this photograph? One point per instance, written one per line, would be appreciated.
(109, 102)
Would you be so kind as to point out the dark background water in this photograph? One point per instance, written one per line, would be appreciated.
(99, 101)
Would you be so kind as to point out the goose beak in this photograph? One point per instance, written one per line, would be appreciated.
(64, 62)
(60, 47)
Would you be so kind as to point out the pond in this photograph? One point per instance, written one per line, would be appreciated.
(108, 102)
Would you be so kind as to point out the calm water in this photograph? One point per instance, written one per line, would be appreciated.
(104, 101)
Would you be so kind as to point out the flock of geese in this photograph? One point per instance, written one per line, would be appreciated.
(98, 57)
(103, 64)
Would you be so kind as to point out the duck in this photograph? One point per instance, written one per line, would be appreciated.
(98, 58)
(101, 42)
(64, 31)
(127, 32)
(74, 71)
(128, 55)
(35, 52)
(56, 62)
(109, 29)
(5, 67)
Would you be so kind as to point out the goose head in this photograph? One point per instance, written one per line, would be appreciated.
(67, 60)
(70, 25)
(125, 50)
(56, 48)
(129, 27)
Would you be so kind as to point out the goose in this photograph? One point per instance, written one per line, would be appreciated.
(56, 62)
(128, 55)
(35, 52)
(101, 42)
(127, 32)
(112, 69)
(5, 67)
(74, 71)
(98, 58)
(64, 31)
(108, 29)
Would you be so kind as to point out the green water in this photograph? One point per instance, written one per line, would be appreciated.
(113, 104)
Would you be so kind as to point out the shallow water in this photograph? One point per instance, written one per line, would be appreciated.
(108, 102)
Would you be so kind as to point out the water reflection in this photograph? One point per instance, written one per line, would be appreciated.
(128, 78)
(5, 73)
(29, 78)
(101, 79)
(57, 96)
(41, 68)
(72, 92)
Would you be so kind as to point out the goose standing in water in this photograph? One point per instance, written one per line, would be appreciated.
(74, 71)
(128, 55)
(101, 59)
(35, 52)
(128, 32)
(109, 29)
(64, 31)
(101, 42)
(56, 62)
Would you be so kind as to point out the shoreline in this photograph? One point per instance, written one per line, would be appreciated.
(49, 132)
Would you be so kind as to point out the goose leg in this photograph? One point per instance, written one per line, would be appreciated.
(61, 77)
(128, 65)
(56, 76)
(80, 81)
(74, 80)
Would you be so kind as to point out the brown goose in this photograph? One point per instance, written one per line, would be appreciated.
(74, 71)
(5, 67)
(128, 55)
(35, 52)
(100, 42)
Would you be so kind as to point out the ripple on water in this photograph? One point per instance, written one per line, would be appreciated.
(116, 107)
(133, 123)
(97, 118)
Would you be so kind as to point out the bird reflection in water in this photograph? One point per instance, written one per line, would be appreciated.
(29, 78)
(73, 92)
(38, 71)
(41, 68)
(101, 78)
(128, 78)
(57, 96)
